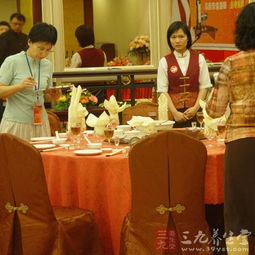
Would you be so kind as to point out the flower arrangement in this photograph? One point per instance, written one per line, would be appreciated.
(86, 98)
(140, 45)
(120, 61)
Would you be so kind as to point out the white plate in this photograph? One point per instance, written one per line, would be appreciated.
(87, 152)
(44, 146)
(48, 138)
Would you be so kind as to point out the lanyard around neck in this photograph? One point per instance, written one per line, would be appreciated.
(30, 70)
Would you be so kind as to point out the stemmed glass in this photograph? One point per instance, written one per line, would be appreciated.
(210, 135)
(200, 118)
(108, 132)
(76, 134)
(221, 127)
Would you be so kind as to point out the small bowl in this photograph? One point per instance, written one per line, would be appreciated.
(94, 145)
(124, 127)
(62, 135)
(59, 141)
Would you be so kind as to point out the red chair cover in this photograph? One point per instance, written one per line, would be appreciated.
(166, 169)
(28, 223)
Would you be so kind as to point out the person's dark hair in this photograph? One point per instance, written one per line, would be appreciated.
(18, 16)
(245, 28)
(176, 26)
(43, 32)
(4, 23)
(85, 35)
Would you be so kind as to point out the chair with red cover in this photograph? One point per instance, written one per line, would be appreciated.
(168, 213)
(145, 109)
(29, 225)
(54, 122)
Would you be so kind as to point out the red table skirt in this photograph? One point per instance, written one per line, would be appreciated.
(102, 185)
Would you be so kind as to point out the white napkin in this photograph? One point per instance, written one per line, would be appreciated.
(98, 123)
(145, 124)
(113, 108)
(210, 124)
(162, 107)
(76, 112)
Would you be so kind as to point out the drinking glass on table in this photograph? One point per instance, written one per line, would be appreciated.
(221, 127)
(108, 132)
(210, 135)
(75, 131)
(200, 118)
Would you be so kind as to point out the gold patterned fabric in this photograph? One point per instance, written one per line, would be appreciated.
(236, 85)
(167, 196)
(29, 224)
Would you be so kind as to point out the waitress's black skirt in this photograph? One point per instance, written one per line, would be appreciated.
(239, 187)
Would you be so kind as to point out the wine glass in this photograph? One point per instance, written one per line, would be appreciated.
(108, 132)
(76, 134)
(200, 118)
(116, 141)
(221, 127)
(210, 135)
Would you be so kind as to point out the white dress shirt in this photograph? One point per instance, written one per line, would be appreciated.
(76, 58)
(183, 62)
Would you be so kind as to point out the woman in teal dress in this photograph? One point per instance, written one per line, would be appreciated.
(23, 79)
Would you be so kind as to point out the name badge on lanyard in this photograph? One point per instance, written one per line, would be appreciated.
(37, 108)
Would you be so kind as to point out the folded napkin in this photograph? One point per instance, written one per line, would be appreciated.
(145, 124)
(76, 112)
(210, 124)
(98, 123)
(113, 108)
(162, 107)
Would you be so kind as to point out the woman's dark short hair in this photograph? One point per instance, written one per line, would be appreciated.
(4, 23)
(18, 16)
(176, 26)
(245, 28)
(43, 32)
(85, 35)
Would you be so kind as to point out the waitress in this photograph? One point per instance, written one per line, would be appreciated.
(23, 77)
(183, 76)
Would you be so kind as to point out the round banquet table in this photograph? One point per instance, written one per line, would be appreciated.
(102, 185)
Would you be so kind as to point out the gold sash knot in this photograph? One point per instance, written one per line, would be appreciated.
(178, 208)
(23, 208)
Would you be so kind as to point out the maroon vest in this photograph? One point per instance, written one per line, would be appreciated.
(183, 90)
(92, 57)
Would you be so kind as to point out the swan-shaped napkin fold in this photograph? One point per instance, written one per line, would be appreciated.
(76, 111)
(210, 124)
(98, 123)
(162, 107)
(113, 108)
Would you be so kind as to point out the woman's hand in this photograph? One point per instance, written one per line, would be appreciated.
(54, 93)
(28, 82)
(190, 112)
(179, 116)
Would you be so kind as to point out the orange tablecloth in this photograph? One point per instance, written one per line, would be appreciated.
(103, 186)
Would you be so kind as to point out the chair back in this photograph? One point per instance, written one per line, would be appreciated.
(54, 122)
(167, 194)
(25, 209)
(109, 49)
(145, 109)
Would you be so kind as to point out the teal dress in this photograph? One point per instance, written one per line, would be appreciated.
(18, 114)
